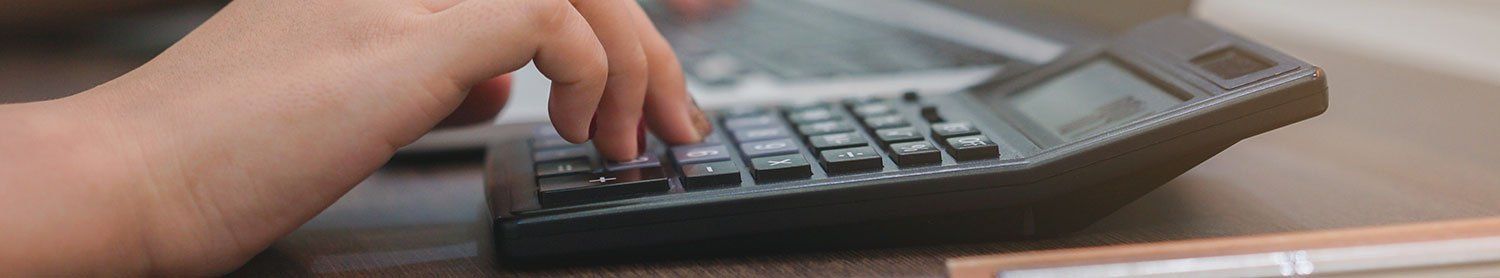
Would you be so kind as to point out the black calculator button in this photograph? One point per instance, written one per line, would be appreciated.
(973, 147)
(911, 96)
(883, 122)
(548, 142)
(711, 174)
(915, 153)
(644, 161)
(930, 113)
(820, 128)
(851, 159)
(781, 167)
(953, 129)
(574, 189)
(769, 147)
(837, 140)
(813, 115)
(751, 122)
(897, 135)
(700, 153)
(570, 152)
(875, 109)
(564, 167)
(758, 134)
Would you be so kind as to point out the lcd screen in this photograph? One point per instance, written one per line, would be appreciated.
(1090, 99)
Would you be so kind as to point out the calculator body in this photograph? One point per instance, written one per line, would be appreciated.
(1032, 153)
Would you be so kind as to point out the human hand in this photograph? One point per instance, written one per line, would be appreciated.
(272, 109)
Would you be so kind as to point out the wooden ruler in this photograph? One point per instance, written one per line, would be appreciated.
(1473, 245)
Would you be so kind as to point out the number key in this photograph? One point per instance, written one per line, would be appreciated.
(897, 135)
(700, 153)
(953, 129)
(973, 147)
(915, 153)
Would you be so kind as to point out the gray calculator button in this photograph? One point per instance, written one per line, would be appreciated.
(837, 140)
(644, 161)
(915, 153)
(700, 153)
(769, 147)
(752, 135)
(751, 122)
(564, 167)
(781, 167)
(973, 147)
(569, 152)
(896, 135)
(883, 122)
(813, 115)
(953, 129)
(851, 159)
(820, 128)
(711, 174)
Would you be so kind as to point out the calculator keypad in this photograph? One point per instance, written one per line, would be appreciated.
(766, 145)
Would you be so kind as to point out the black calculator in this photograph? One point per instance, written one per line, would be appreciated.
(1039, 150)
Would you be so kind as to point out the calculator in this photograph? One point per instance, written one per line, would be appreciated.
(1036, 151)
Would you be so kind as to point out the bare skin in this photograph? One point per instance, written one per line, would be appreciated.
(273, 109)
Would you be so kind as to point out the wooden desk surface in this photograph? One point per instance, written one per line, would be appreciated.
(1397, 145)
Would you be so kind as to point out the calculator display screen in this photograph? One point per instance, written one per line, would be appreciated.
(1089, 99)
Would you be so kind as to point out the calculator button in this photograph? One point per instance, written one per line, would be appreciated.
(743, 111)
(954, 129)
(781, 167)
(711, 174)
(930, 113)
(851, 159)
(808, 105)
(915, 153)
(713, 138)
(871, 110)
(751, 122)
(896, 135)
(769, 148)
(820, 128)
(859, 100)
(542, 143)
(574, 189)
(813, 115)
(751, 135)
(700, 153)
(837, 140)
(557, 168)
(883, 122)
(560, 153)
(973, 147)
(644, 161)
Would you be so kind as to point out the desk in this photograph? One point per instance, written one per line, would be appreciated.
(1399, 144)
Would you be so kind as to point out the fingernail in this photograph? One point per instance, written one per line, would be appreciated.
(640, 137)
(700, 121)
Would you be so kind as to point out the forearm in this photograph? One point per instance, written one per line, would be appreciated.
(64, 203)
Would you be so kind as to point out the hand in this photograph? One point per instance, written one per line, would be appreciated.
(272, 109)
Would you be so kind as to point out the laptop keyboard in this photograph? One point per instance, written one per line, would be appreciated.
(772, 144)
(793, 40)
